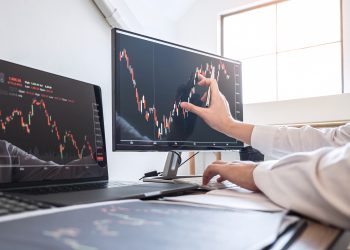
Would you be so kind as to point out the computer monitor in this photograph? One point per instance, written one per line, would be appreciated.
(151, 78)
(51, 128)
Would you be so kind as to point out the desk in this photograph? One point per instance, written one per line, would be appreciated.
(104, 225)
(315, 236)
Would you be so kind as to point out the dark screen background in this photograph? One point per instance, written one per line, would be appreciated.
(53, 118)
(164, 74)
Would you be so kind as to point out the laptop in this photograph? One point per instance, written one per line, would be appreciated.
(52, 141)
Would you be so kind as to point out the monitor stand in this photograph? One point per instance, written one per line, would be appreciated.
(172, 163)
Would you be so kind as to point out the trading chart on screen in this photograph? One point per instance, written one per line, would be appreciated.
(53, 118)
(153, 77)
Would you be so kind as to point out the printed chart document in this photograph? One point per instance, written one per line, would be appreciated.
(138, 224)
(236, 197)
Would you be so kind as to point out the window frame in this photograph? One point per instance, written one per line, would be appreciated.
(264, 3)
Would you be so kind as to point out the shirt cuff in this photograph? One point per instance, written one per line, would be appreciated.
(263, 179)
(263, 137)
(261, 175)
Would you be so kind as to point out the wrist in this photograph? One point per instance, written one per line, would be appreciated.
(239, 130)
(230, 126)
(253, 186)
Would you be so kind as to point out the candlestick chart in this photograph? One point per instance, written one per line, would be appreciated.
(63, 138)
(151, 78)
(146, 107)
(52, 118)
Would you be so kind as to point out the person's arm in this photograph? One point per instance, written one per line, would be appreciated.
(218, 115)
(278, 141)
(238, 172)
(315, 184)
(270, 140)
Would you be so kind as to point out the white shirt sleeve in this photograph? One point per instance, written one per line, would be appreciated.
(278, 141)
(315, 182)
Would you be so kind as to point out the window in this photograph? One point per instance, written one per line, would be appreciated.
(289, 49)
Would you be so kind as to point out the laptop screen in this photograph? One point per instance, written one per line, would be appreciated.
(51, 128)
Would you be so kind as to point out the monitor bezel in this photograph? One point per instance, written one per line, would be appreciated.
(157, 147)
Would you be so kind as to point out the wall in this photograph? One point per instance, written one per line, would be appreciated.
(198, 29)
(69, 38)
(315, 109)
(346, 44)
(155, 18)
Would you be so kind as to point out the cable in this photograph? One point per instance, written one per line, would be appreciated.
(179, 155)
(189, 158)
(155, 173)
(150, 174)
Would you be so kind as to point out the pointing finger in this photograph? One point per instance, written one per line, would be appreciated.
(213, 85)
(192, 108)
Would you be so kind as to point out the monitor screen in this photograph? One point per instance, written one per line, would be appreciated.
(51, 127)
(151, 78)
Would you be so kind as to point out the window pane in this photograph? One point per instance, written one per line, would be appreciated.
(259, 79)
(304, 23)
(308, 49)
(309, 72)
(250, 33)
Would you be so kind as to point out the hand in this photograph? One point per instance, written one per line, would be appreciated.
(240, 173)
(217, 115)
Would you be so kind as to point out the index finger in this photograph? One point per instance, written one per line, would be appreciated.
(209, 173)
(212, 83)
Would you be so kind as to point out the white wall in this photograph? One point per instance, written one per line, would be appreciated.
(315, 109)
(199, 28)
(155, 18)
(69, 38)
(346, 44)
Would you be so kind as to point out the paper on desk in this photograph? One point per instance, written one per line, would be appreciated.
(141, 224)
(237, 198)
(287, 221)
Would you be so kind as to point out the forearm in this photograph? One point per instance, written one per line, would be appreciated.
(239, 130)
(315, 184)
(278, 141)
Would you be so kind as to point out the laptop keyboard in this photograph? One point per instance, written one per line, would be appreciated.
(10, 204)
(212, 185)
(71, 188)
